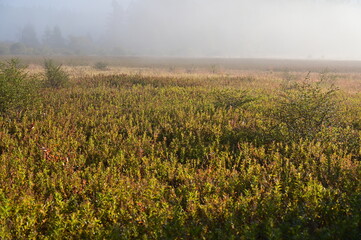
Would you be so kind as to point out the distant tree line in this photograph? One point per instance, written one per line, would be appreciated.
(139, 29)
(51, 42)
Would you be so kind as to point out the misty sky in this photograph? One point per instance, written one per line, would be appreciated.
(201, 28)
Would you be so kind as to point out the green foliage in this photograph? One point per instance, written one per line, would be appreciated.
(4, 48)
(18, 91)
(231, 98)
(18, 48)
(305, 108)
(101, 66)
(55, 76)
(150, 157)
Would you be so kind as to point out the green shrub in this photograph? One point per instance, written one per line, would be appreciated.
(230, 98)
(55, 76)
(18, 48)
(4, 49)
(17, 90)
(305, 108)
(153, 157)
(101, 66)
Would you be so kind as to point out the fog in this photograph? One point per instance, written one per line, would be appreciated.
(298, 29)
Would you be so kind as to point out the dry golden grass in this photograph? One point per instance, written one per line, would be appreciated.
(265, 74)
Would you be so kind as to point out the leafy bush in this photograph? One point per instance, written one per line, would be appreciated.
(230, 98)
(4, 49)
(152, 157)
(17, 89)
(101, 66)
(55, 76)
(18, 48)
(305, 108)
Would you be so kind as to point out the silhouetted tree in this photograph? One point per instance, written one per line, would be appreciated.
(28, 36)
(18, 48)
(81, 44)
(115, 25)
(4, 48)
(53, 38)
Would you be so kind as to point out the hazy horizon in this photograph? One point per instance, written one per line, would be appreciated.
(312, 29)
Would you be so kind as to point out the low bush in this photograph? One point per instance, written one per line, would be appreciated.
(18, 90)
(230, 98)
(305, 108)
(153, 157)
(55, 76)
(101, 66)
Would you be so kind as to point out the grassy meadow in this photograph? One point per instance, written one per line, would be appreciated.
(106, 148)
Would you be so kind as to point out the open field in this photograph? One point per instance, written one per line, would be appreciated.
(182, 149)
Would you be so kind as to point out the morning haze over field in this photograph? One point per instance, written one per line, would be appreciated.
(180, 119)
(311, 29)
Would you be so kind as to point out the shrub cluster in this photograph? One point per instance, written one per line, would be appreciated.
(306, 108)
(101, 66)
(134, 157)
(55, 76)
(18, 91)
